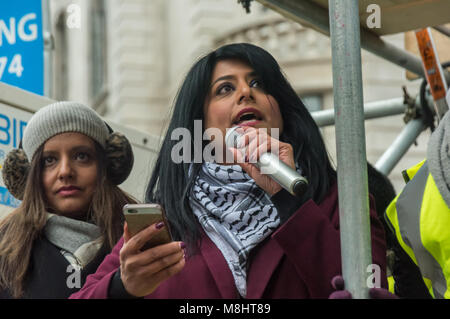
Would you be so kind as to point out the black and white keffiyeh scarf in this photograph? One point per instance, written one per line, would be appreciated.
(235, 213)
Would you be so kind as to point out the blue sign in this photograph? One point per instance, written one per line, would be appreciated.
(22, 45)
(7, 199)
(12, 126)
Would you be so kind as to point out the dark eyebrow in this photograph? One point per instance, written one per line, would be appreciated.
(229, 77)
(80, 148)
(222, 78)
(83, 148)
(48, 153)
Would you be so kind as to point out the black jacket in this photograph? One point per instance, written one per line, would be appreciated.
(407, 276)
(49, 271)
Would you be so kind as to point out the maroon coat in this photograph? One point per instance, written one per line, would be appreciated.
(297, 261)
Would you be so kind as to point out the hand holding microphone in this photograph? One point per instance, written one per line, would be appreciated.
(270, 172)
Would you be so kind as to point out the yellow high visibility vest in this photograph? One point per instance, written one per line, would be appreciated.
(420, 219)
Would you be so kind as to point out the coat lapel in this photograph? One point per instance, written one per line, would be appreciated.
(219, 268)
(266, 258)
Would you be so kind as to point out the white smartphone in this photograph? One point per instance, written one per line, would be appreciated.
(140, 216)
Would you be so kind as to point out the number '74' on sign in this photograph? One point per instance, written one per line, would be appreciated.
(15, 66)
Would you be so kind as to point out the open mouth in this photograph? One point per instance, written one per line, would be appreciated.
(247, 117)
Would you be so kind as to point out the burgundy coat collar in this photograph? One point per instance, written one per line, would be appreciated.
(219, 268)
(264, 259)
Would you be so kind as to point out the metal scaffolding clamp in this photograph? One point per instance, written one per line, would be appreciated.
(411, 110)
(245, 4)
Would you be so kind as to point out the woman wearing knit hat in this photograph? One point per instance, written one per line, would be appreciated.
(66, 173)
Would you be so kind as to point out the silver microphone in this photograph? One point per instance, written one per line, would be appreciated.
(283, 174)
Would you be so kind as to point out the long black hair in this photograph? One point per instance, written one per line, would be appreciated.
(170, 182)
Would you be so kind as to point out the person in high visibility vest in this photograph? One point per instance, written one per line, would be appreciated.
(419, 218)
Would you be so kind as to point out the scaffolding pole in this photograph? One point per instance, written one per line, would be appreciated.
(354, 219)
(443, 29)
(371, 110)
(400, 146)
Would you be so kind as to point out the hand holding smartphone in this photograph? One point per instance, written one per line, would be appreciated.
(141, 271)
(140, 216)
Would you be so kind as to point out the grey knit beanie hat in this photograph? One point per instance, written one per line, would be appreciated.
(61, 117)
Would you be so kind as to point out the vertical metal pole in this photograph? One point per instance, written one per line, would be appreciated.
(350, 145)
(48, 49)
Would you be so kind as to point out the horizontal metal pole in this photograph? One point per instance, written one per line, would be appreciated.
(443, 29)
(371, 110)
(308, 12)
(400, 146)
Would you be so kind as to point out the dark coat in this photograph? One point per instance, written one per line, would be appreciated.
(48, 273)
(297, 261)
